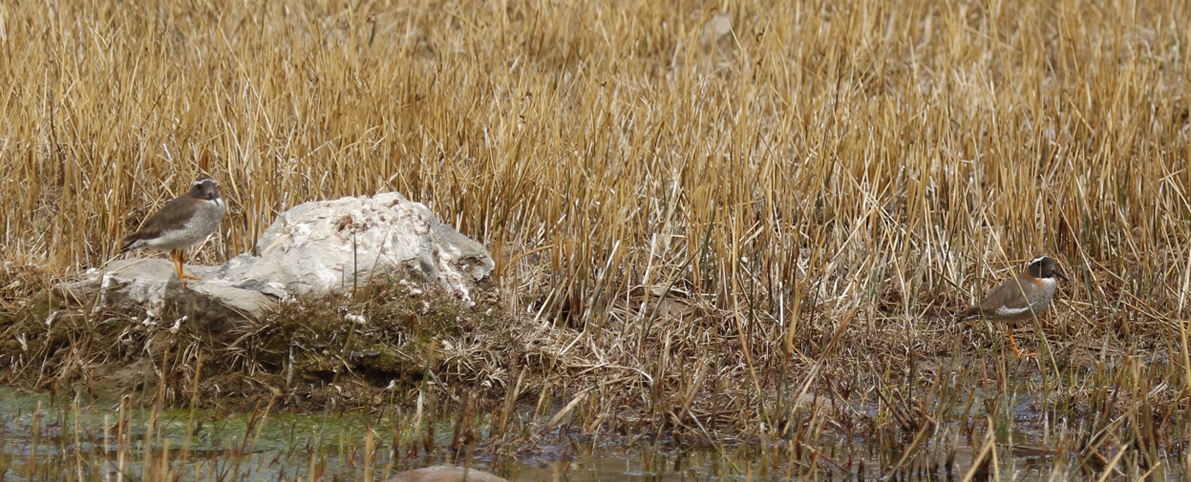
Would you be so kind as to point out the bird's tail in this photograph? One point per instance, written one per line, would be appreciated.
(129, 242)
(967, 313)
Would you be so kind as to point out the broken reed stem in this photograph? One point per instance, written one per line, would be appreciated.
(194, 395)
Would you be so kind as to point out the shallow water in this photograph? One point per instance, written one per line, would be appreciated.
(38, 435)
(44, 440)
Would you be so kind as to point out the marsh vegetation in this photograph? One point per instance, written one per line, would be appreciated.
(713, 224)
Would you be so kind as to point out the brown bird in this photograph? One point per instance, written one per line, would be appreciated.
(1026, 295)
(181, 223)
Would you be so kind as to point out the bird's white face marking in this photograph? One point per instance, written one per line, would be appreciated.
(1035, 260)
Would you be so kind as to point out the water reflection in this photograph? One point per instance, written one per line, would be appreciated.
(46, 441)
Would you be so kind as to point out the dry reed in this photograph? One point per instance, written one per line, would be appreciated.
(705, 224)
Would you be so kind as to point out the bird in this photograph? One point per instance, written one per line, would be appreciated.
(181, 223)
(1025, 295)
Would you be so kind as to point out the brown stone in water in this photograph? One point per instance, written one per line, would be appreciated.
(442, 473)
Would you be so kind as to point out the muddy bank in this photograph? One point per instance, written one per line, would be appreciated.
(379, 345)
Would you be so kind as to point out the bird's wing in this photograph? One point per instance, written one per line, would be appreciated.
(173, 214)
(1008, 299)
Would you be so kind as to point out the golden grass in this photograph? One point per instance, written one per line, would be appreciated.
(704, 218)
(866, 150)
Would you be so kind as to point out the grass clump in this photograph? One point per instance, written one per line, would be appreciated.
(386, 336)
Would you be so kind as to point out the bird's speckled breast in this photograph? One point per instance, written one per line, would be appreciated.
(1043, 296)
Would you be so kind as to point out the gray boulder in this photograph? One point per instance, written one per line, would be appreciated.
(314, 249)
(442, 473)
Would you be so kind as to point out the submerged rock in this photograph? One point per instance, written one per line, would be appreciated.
(442, 473)
(315, 249)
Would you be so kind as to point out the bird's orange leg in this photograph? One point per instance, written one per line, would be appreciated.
(181, 263)
(1017, 350)
(177, 267)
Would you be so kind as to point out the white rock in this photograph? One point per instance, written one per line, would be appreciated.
(315, 249)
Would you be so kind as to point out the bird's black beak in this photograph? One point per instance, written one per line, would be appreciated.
(1060, 274)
